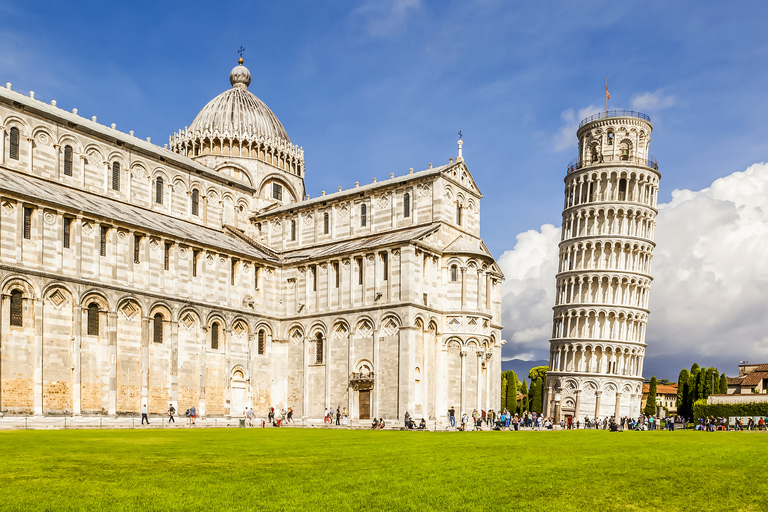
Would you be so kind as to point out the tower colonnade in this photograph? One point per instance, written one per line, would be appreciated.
(604, 271)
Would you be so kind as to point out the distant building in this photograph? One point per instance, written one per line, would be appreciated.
(666, 396)
(753, 378)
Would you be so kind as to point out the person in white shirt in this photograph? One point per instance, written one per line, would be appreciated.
(144, 414)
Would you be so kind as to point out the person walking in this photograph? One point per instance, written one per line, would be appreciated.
(171, 412)
(452, 416)
(338, 416)
(144, 414)
(250, 415)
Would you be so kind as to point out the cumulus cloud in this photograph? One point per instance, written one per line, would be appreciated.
(382, 17)
(565, 137)
(528, 293)
(650, 101)
(709, 298)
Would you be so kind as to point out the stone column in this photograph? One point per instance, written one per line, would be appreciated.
(174, 398)
(488, 286)
(480, 356)
(146, 333)
(479, 289)
(327, 361)
(203, 344)
(577, 410)
(39, 373)
(463, 356)
(304, 379)
(597, 404)
(463, 287)
(558, 408)
(112, 337)
(2, 145)
(617, 409)
(77, 334)
(377, 373)
(547, 401)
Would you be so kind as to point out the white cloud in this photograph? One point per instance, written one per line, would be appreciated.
(709, 298)
(528, 292)
(650, 101)
(565, 137)
(382, 17)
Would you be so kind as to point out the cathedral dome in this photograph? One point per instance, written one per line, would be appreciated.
(238, 112)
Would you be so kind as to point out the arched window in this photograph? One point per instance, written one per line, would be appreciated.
(115, 175)
(93, 319)
(326, 223)
(407, 205)
(454, 273)
(262, 342)
(622, 189)
(458, 214)
(293, 231)
(67, 160)
(159, 190)
(195, 201)
(17, 311)
(158, 328)
(363, 215)
(610, 138)
(215, 335)
(14, 143)
(319, 349)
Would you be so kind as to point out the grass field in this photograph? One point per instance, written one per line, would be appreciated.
(265, 469)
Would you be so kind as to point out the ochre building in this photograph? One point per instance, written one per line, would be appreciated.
(202, 274)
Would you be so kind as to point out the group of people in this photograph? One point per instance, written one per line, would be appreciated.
(340, 415)
(712, 423)
(274, 417)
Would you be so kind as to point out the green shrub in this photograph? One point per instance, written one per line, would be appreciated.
(702, 410)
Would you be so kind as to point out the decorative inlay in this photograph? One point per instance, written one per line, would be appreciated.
(130, 309)
(188, 320)
(239, 328)
(364, 329)
(390, 327)
(57, 298)
(341, 330)
(49, 218)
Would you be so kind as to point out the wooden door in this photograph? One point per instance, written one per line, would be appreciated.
(364, 400)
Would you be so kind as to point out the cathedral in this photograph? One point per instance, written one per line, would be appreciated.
(201, 274)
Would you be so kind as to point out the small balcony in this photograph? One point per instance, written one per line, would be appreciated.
(615, 113)
(574, 165)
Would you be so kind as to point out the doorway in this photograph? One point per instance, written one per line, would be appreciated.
(364, 399)
(237, 402)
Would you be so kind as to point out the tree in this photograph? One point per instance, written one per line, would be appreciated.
(723, 384)
(650, 404)
(524, 402)
(538, 396)
(536, 372)
(698, 386)
(503, 391)
(531, 394)
(512, 392)
(683, 383)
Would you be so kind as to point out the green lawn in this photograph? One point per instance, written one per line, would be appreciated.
(265, 469)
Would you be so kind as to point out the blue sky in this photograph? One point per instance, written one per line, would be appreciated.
(373, 87)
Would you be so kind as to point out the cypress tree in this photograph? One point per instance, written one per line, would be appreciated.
(542, 389)
(503, 392)
(524, 392)
(538, 396)
(650, 405)
(698, 387)
(723, 384)
(682, 392)
(512, 392)
(531, 394)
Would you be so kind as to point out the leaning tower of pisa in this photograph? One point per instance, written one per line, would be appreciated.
(604, 272)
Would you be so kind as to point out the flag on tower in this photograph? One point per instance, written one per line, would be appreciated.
(607, 94)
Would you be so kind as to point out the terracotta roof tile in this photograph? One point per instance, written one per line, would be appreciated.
(753, 379)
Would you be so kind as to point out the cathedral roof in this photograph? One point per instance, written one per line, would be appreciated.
(238, 112)
(51, 193)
